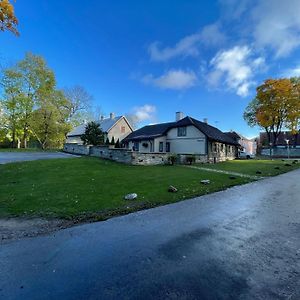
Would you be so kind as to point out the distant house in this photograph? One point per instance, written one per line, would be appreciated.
(117, 127)
(185, 136)
(285, 138)
(248, 146)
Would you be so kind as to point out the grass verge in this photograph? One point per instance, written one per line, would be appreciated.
(90, 188)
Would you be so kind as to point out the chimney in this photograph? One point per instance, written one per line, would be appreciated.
(205, 120)
(101, 118)
(112, 115)
(179, 116)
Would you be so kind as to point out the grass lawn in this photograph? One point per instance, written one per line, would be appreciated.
(251, 166)
(87, 187)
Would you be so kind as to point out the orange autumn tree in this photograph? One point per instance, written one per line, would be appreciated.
(272, 107)
(8, 20)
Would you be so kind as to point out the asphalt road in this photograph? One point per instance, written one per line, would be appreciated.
(9, 157)
(243, 243)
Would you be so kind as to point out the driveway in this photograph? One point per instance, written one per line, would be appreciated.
(9, 157)
(242, 243)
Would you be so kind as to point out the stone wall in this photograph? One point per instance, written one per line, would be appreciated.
(119, 155)
(77, 149)
(281, 152)
(221, 152)
(137, 158)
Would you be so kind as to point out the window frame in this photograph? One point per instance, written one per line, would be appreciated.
(161, 147)
(181, 131)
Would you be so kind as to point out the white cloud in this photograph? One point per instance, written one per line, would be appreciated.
(293, 72)
(271, 24)
(277, 25)
(144, 113)
(173, 79)
(188, 46)
(236, 68)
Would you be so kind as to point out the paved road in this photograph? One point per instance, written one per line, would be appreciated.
(243, 243)
(8, 157)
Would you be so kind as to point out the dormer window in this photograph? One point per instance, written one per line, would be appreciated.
(181, 131)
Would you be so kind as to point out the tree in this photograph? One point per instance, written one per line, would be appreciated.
(34, 106)
(271, 106)
(8, 20)
(107, 141)
(112, 142)
(25, 84)
(93, 134)
(79, 104)
(117, 145)
(48, 123)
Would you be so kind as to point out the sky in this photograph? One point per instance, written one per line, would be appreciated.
(153, 58)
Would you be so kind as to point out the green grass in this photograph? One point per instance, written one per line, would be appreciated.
(251, 166)
(89, 187)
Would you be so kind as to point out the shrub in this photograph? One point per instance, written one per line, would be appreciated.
(172, 159)
(190, 159)
(93, 134)
(117, 145)
(112, 141)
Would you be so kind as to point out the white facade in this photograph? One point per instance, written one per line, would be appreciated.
(119, 130)
(194, 142)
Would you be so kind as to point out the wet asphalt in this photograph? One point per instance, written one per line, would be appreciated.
(10, 157)
(243, 243)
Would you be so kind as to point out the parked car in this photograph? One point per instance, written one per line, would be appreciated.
(246, 155)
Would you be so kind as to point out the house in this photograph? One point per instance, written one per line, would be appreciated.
(284, 139)
(248, 146)
(117, 127)
(185, 136)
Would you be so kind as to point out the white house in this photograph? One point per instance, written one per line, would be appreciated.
(184, 136)
(117, 127)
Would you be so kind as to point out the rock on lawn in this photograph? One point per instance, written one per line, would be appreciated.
(132, 196)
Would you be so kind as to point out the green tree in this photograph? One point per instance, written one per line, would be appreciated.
(118, 145)
(34, 106)
(48, 123)
(93, 134)
(27, 84)
(112, 142)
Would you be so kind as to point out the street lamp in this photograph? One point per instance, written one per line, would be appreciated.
(288, 147)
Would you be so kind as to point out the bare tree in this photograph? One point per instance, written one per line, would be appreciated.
(80, 104)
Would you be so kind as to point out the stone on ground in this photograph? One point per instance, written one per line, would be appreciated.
(131, 196)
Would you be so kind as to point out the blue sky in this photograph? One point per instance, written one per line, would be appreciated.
(153, 58)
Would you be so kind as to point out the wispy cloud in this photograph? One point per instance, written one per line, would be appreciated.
(173, 79)
(144, 113)
(292, 72)
(277, 25)
(268, 24)
(189, 45)
(235, 68)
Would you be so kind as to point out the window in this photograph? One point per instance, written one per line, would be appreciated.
(136, 146)
(215, 147)
(167, 147)
(123, 129)
(161, 147)
(181, 131)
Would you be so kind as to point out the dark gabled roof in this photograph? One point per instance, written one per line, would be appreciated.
(233, 135)
(153, 131)
(211, 132)
(149, 132)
